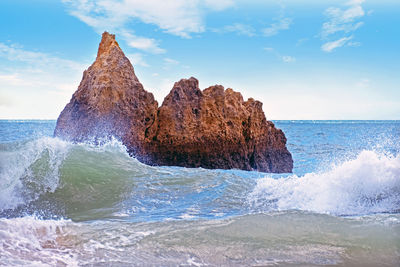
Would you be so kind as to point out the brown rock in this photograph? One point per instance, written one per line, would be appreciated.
(110, 101)
(213, 128)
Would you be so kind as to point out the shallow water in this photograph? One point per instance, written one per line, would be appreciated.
(79, 204)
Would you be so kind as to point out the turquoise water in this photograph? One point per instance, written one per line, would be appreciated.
(86, 205)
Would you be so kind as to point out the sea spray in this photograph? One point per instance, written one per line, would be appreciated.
(276, 238)
(368, 184)
(30, 241)
(48, 176)
(28, 169)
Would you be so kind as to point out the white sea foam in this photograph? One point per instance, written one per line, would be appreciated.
(105, 144)
(367, 184)
(17, 170)
(29, 241)
(32, 168)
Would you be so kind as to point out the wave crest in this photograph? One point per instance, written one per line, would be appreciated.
(28, 170)
(368, 184)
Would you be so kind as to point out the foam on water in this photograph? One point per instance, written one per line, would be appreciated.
(34, 242)
(370, 183)
(83, 177)
(29, 168)
(276, 238)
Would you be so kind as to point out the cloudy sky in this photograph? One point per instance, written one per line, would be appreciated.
(303, 59)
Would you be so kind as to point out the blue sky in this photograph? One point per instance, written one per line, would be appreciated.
(302, 59)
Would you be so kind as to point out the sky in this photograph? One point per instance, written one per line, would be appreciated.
(303, 59)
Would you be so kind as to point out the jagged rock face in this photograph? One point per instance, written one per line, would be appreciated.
(110, 101)
(213, 128)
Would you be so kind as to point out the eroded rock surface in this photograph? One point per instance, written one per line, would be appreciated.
(110, 101)
(213, 128)
(216, 128)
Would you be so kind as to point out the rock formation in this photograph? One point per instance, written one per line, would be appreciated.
(213, 128)
(110, 101)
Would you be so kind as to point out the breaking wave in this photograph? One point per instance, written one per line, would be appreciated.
(51, 178)
(370, 183)
(54, 175)
(29, 169)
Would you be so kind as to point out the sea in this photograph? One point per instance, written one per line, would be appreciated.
(65, 204)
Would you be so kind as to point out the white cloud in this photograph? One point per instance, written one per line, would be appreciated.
(240, 29)
(282, 22)
(35, 84)
(12, 79)
(363, 83)
(142, 43)
(330, 46)
(354, 44)
(301, 41)
(219, 4)
(177, 17)
(275, 28)
(137, 59)
(288, 59)
(285, 59)
(346, 98)
(341, 21)
(15, 52)
(5, 101)
(355, 2)
(171, 61)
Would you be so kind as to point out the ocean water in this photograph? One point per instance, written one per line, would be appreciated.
(64, 204)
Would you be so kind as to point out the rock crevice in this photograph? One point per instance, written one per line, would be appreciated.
(210, 128)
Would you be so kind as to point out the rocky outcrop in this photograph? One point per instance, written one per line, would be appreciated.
(110, 101)
(216, 128)
(213, 128)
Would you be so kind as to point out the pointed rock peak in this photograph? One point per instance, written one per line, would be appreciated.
(107, 42)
